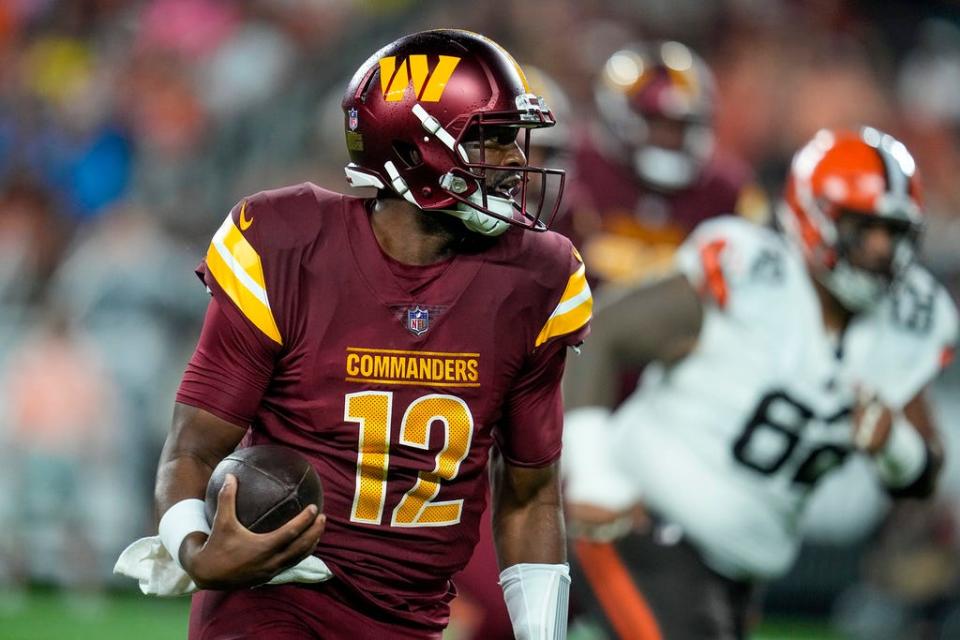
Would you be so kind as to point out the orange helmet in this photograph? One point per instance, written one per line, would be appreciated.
(867, 178)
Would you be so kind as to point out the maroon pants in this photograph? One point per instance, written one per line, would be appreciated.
(289, 612)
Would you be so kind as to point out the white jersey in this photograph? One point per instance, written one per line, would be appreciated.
(729, 442)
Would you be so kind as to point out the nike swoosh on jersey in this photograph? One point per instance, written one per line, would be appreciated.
(244, 223)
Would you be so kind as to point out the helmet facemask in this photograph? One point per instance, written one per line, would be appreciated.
(842, 263)
(490, 197)
(858, 279)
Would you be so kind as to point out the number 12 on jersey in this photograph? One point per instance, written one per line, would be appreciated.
(372, 411)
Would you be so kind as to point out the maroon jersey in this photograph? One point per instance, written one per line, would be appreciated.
(627, 229)
(393, 380)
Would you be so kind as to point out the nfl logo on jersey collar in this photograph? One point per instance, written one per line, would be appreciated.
(418, 320)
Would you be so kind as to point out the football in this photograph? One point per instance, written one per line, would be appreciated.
(274, 484)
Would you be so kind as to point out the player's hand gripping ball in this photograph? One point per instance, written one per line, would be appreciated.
(274, 484)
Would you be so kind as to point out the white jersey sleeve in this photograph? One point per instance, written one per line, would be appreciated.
(917, 327)
(726, 256)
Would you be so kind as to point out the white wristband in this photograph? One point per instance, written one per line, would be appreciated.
(537, 597)
(179, 521)
(904, 456)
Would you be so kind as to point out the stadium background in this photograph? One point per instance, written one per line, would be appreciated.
(127, 129)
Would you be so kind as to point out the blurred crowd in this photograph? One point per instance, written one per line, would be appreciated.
(129, 128)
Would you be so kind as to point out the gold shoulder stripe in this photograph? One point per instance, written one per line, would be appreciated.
(574, 310)
(236, 267)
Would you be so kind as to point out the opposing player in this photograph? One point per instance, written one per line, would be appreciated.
(650, 172)
(392, 341)
(780, 357)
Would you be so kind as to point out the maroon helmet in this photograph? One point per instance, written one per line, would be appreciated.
(663, 84)
(413, 104)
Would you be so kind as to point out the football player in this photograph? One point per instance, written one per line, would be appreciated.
(779, 357)
(651, 172)
(392, 341)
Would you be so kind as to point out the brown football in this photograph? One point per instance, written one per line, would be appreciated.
(274, 484)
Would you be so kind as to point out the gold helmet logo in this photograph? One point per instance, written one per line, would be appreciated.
(413, 70)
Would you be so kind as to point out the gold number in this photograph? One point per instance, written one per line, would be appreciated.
(417, 508)
(371, 409)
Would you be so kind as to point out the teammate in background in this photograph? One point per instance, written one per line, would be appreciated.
(392, 341)
(483, 614)
(650, 172)
(779, 356)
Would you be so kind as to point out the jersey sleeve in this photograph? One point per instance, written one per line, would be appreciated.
(920, 338)
(726, 254)
(255, 259)
(229, 369)
(233, 268)
(571, 310)
(250, 270)
(530, 433)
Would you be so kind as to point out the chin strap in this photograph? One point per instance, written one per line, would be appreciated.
(537, 597)
(478, 221)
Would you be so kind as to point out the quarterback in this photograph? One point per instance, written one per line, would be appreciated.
(779, 356)
(393, 341)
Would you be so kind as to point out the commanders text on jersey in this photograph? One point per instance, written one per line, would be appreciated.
(394, 366)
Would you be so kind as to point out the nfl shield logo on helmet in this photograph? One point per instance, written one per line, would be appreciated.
(418, 321)
(353, 119)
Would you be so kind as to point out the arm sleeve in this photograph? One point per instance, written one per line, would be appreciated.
(530, 433)
(231, 367)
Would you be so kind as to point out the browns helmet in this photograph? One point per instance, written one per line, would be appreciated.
(840, 183)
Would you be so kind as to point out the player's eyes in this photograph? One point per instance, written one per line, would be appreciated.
(856, 224)
(492, 136)
(504, 136)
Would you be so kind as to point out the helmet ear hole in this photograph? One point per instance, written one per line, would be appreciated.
(407, 153)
